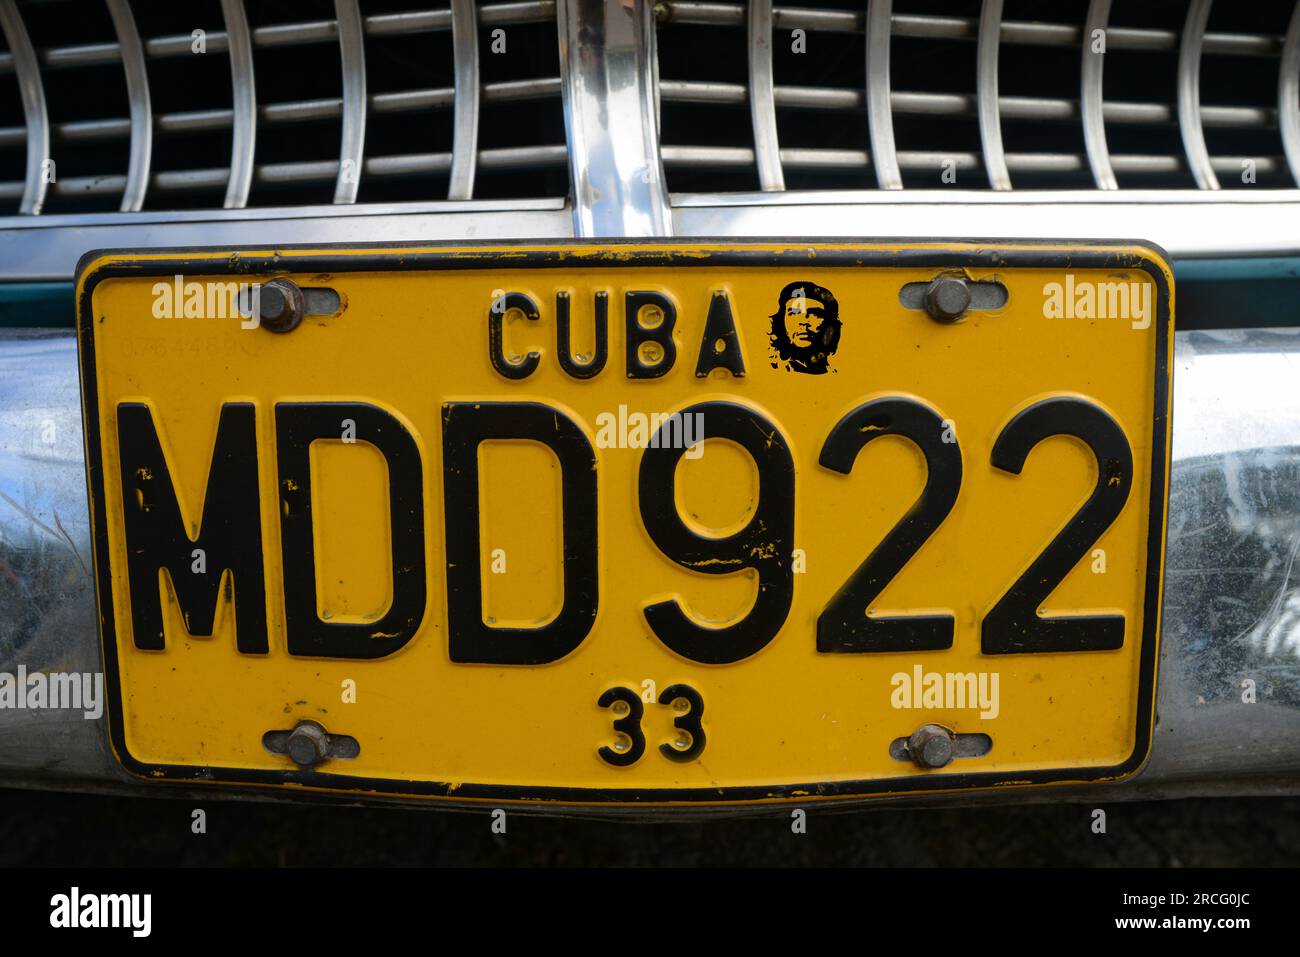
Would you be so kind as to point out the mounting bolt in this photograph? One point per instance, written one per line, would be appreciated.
(307, 745)
(281, 305)
(931, 746)
(947, 299)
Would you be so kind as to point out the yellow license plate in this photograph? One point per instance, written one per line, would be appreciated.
(630, 523)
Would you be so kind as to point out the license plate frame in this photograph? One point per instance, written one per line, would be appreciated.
(337, 259)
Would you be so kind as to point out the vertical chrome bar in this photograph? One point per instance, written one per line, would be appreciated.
(654, 67)
(33, 94)
(137, 91)
(353, 53)
(244, 100)
(880, 118)
(762, 100)
(1189, 94)
(1288, 95)
(464, 146)
(1090, 98)
(606, 76)
(986, 86)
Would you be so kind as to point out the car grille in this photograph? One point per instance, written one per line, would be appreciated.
(736, 116)
(317, 102)
(268, 99)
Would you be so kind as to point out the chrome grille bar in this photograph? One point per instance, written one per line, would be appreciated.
(606, 65)
(675, 11)
(137, 91)
(1189, 94)
(880, 119)
(1288, 95)
(933, 160)
(243, 116)
(301, 110)
(982, 101)
(465, 118)
(932, 27)
(955, 104)
(678, 91)
(37, 130)
(237, 39)
(289, 34)
(881, 160)
(762, 105)
(986, 86)
(322, 171)
(353, 140)
(1090, 96)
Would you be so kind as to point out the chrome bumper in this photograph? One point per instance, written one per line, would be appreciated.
(1231, 611)
(1231, 607)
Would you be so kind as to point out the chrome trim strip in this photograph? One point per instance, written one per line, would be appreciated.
(1189, 94)
(51, 250)
(1288, 95)
(1217, 227)
(606, 68)
(880, 120)
(1090, 98)
(353, 142)
(34, 110)
(762, 103)
(986, 86)
(1045, 198)
(201, 216)
(137, 90)
(243, 126)
(465, 119)
(1187, 223)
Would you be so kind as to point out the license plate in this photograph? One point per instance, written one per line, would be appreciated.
(629, 523)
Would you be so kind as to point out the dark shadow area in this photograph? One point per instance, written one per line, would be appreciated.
(60, 829)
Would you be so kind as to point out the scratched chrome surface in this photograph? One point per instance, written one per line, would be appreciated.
(1232, 594)
(47, 591)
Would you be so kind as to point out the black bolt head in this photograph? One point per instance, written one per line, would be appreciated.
(307, 745)
(931, 746)
(281, 305)
(947, 299)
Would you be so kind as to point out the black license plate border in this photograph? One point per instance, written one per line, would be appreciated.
(687, 253)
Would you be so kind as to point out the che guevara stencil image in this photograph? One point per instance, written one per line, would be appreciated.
(805, 329)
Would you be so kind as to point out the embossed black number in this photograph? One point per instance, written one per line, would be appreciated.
(844, 626)
(764, 544)
(1014, 626)
(690, 721)
(629, 724)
